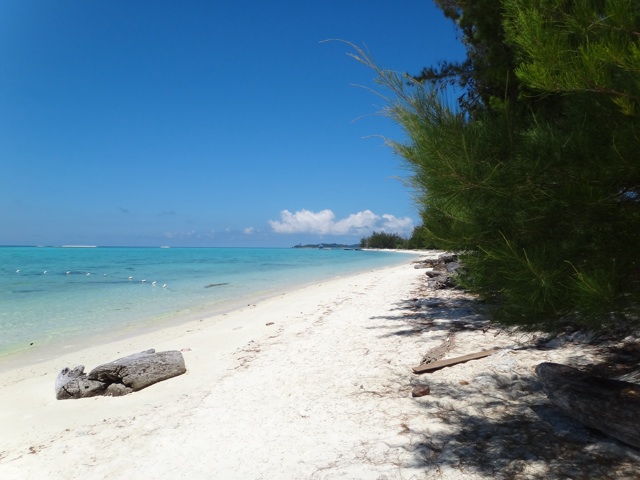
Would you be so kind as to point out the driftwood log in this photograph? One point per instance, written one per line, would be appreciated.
(120, 377)
(611, 406)
(430, 367)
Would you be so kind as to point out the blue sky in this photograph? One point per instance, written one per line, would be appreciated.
(204, 123)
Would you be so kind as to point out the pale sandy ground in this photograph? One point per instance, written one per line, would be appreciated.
(323, 393)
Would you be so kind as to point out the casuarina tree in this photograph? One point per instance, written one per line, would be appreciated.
(534, 175)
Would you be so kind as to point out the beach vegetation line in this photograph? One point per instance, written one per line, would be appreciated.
(532, 175)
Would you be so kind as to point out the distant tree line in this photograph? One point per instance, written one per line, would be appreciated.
(534, 176)
(385, 240)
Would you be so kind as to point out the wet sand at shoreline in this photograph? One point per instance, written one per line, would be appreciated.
(314, 383)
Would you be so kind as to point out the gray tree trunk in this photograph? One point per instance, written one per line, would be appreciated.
(611, 406)
(120, 377)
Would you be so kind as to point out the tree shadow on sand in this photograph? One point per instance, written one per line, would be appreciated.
(497, 425)
(418, 315)
(501, 427)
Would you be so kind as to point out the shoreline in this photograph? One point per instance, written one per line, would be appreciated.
(46, 351)
(214, 349)
(315, 383)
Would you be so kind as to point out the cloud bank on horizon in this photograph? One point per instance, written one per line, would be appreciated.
(324, 223)
(302, 223)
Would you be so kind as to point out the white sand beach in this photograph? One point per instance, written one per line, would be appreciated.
(315, 383)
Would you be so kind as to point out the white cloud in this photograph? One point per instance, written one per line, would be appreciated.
(356, 223)
(325, 223)
(304, 221)
(391, 224)
(249, 231)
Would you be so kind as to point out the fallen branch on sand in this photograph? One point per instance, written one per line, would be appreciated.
(453, 361)
(438, 352)
(120, 377)
(611, 406)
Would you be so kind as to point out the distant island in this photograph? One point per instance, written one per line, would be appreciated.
(328, 246)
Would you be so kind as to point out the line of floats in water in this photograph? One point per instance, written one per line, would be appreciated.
(88, 274)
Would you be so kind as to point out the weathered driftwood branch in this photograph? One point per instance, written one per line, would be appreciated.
(429, 367)
(120, 377)
(438, 352)
(611, 406)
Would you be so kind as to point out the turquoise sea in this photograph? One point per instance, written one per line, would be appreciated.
(61, 295)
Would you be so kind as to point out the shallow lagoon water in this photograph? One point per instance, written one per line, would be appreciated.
(54, 295)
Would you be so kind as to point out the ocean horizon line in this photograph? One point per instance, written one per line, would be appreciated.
(133, 246)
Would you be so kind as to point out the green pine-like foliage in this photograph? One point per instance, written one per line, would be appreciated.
(539, 192)
(384, 240)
